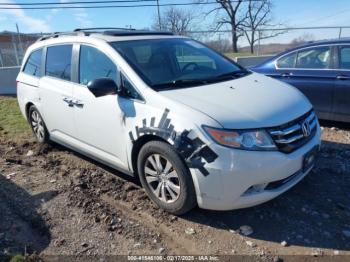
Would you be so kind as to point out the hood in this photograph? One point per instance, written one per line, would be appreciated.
(253, 101)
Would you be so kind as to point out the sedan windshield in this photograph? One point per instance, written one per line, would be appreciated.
(177, 62)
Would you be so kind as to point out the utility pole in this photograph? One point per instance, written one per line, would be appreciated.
(160, 25)
(1, 60)
(259, 35)
(19, 42)
(15, 49)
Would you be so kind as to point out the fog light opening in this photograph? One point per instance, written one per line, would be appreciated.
(255, 189)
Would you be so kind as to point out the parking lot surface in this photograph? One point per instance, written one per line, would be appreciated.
(56, 202)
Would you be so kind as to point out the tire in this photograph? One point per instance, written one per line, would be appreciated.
(38, 125)
(171, 177)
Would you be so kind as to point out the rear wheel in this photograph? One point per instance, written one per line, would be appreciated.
(37, 124)
(166, 178)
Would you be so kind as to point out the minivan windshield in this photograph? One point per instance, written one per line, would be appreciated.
(172, 63)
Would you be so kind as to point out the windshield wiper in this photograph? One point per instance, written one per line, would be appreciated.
(231, 75)
(180, 83)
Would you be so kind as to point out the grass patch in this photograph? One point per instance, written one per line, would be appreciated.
(12, 122)
(234, 55)
(17, 258)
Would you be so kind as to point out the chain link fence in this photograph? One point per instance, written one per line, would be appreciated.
(268, 41)
(13, 47)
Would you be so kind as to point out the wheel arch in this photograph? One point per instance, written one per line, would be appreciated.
(27, 106)
(138, 144)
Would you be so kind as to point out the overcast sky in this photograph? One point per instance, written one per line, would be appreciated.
(290, 12)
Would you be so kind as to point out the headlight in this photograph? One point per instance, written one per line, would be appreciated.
(242, 139)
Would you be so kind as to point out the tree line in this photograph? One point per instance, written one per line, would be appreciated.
(244, 18)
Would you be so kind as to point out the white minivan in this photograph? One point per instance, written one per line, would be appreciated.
(192, 125)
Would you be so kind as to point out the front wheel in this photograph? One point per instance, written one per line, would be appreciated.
(166, 178)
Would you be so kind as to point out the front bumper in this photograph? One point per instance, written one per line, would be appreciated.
(238, 178)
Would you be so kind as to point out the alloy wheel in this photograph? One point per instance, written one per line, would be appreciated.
(38, 125)
(162, 178)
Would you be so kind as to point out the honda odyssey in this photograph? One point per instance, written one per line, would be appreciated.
(192, 125)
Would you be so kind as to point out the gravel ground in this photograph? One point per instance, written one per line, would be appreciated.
(56, 202)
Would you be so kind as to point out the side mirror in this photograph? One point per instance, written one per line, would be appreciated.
(102, 87)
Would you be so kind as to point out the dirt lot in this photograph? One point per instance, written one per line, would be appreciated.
(56, 202)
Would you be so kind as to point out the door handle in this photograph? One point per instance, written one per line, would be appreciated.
(343, 77)
(286, 74)
(68, 101)
(77, 102)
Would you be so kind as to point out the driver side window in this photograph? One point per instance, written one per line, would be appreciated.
(95, 64)
(314, 58)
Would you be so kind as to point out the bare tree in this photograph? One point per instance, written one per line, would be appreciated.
(221, 45)
(306, 37)
(230, 13)
(258, 17)
(175, 20)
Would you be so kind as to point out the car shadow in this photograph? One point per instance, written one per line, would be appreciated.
(22, 228)
(120, 174)
(314, 213)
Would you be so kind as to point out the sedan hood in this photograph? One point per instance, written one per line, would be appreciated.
(253, 101)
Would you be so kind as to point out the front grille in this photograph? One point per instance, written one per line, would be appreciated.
(293, 135)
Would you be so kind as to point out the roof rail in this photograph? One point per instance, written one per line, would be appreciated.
(57, 34)
(81, 31)
(112, 31)
(135, 33)
(103, 28)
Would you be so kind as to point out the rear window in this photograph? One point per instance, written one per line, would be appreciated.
(345, 57)
(33, 64)
(58, 61)
(186, 55)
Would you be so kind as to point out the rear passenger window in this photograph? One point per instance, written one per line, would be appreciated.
(344, 57)
(58, 61)
(287, 61)
(94, 64)
(314, 58)
(33, 64)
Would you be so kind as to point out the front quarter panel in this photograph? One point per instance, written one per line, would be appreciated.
(180, 126)
(268, 68)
